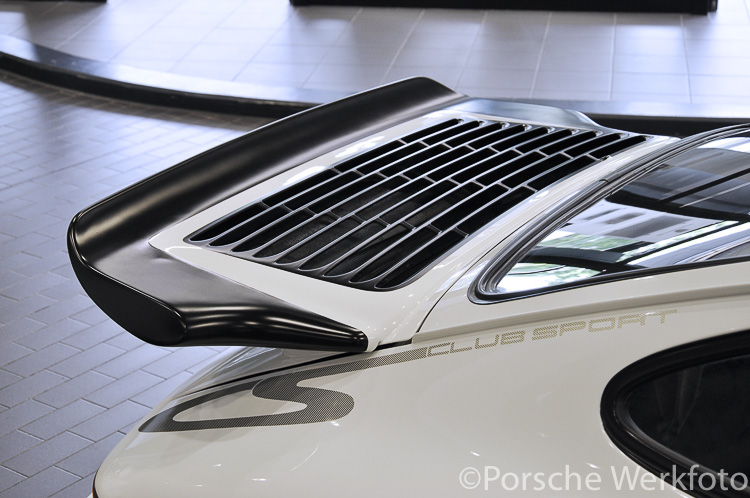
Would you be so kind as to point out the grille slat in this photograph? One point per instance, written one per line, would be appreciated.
(379, 219)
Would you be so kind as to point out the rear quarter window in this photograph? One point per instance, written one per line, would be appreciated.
(691, 210)
(683, 414)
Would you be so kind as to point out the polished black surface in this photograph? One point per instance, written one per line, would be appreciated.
(687, 6)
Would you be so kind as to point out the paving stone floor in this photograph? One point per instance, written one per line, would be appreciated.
(71, 381)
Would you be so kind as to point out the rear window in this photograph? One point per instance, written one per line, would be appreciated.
(683, 414)
(692, 209)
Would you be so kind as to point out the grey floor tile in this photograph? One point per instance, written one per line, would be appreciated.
(179, 360)
(728, 100)
(155, 51)
(51, 334)
(676, 84)
(238, 36)
(8, 478)
(502, 60)
(625, 96)
(153, 395)
(61, 310)
(714, 48)
(289, 74)
(331, 23)
(650, 46)
(500, 79)
(63, 419)
(594, 62)
(740, 33)
(440, 41)
(453, 59)
(86, 360)
(92, 315)
(578, 45)
(132, 360)
(738, 86)
(44, 358)
(502, 32)
(88, 460)
(22, 414)
(371, 38)
(719, 66)
(567, 81)
(28, 387)
(16, 442)
(109, 421)
(74, 389)
(6, 379)
(14, 316)
(222, 52)
(467, 25)
(305, 37)
(126, 341)
(80, 488)
(650, 64)
(123, 389)
(11, 352)
(494, 92)
(584, 95)
(667, 31)
(587, 30)
(101, 50)
(46, 454)
(360, 54)
(44, 483)
(362, 76)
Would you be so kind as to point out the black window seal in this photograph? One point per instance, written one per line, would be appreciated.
(480, 290)
(646, 452)
(615, 277)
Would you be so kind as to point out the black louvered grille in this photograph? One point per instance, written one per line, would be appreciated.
(381, 218)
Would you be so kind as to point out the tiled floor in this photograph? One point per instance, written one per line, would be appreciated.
(71, 381)
(517, 54)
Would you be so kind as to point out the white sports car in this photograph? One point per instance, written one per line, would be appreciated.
(439, 295)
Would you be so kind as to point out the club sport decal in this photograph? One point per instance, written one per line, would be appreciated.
(322, 405)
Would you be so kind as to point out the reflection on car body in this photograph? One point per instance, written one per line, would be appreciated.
(437, 295)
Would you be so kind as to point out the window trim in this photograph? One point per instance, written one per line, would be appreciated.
(480, 291)
(631, 440)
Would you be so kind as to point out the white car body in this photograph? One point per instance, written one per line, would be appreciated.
(452, 393)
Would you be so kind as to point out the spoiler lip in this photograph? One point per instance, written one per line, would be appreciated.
(176, 304)
(168, 302)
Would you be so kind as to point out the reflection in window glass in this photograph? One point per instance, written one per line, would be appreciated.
(691, 209)
(700, 412)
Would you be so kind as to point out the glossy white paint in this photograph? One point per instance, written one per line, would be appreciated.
(524, 407)
(385, 317)
(510, 386)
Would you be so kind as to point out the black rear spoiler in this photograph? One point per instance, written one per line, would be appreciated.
(168, 302)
